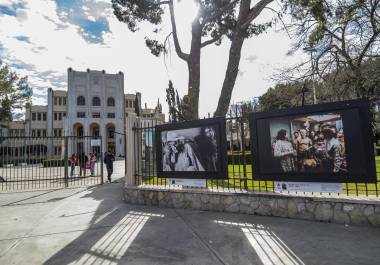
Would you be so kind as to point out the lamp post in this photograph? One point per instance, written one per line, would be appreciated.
(303, 91)
(311, 50)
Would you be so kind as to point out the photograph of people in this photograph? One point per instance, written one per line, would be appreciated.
(193, 149)
(317, 144)
(333, 148)
(283, 149)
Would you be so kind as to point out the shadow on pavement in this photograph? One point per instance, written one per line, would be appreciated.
(119, 233)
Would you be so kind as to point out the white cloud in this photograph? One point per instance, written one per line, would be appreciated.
(56, 44)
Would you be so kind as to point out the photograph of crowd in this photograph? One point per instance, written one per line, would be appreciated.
(193, 149)
(312, 143)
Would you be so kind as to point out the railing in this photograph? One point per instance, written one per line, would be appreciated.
(240, 177)
(28, 163)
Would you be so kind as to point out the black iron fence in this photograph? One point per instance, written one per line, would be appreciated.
(240, 177)
(46, 162)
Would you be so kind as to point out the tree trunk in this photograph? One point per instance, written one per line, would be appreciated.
(191, 102)
(231, 75)
(233, 60)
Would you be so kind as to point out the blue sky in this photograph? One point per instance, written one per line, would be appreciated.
(43, 38)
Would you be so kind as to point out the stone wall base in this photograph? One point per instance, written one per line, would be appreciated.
(334, 210)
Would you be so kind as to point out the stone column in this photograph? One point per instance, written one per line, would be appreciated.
(86, 140)
(132, 146)
(103, 133)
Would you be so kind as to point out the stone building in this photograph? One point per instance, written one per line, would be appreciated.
(94, 105)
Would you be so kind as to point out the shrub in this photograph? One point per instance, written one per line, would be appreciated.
(53, 163)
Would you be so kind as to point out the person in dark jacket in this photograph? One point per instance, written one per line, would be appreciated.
(82, 159)
(108, 160)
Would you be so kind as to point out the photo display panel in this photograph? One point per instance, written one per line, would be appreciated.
(329, 142)
(194, 149)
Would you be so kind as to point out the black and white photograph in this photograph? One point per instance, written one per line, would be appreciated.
(193, 149)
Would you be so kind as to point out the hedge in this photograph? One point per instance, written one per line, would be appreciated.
(53, 163)
(238, 158)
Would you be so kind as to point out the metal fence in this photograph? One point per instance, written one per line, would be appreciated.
(28, 163)
(240, 177)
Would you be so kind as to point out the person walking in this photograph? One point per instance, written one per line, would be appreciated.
(73, 160)
(108, 160)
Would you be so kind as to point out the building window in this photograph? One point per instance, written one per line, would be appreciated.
(111, 102)
(81, 101)
(81, 114)
(111, 132)
(111, 115)
(96, 114)
(60, 116)
(44, 133)
(55, 116)
(95, 101)
(60, 101)
(64, 101)
(44, 116)
(38, 133)
(96, 80)
(33, 116)
(39, 118)
(55, 101)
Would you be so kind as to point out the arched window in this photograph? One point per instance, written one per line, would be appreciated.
(81, 101)
(111, 102)
(95, 101)
(111, 132)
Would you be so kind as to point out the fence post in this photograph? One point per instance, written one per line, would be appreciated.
(243, 153)
(102, 152)
(130, 154)
(66, 163)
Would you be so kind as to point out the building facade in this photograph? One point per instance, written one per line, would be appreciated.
(94, 105)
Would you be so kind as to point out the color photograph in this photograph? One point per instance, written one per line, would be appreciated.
(312, 143)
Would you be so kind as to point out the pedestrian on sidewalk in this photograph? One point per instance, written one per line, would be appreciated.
(108, 160)
(73, 161)
(92, 158)
(82, 164)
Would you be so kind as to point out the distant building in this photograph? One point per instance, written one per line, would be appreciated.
(93, 105)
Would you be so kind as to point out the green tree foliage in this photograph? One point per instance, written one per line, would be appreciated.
(174, 103)
(332, 87)
(216, 20)
(15, 92)
(342, 36)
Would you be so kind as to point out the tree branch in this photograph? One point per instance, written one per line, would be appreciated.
(210, 41)
(254, 12)
(177, 46)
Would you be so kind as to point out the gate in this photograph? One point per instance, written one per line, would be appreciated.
(28, 163)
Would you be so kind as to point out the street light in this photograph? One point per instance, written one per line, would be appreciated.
(303, 91)
(311, 50)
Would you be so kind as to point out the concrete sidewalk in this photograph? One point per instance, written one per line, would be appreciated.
(94, 226)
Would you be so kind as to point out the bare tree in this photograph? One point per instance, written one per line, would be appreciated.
(340, 35)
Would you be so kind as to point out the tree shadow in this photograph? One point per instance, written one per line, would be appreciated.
(111, 229)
